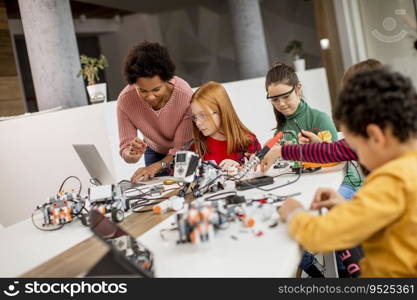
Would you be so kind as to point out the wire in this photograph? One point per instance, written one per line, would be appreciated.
(66, 179)
(348, 176)
(161, 232)
(298, 143)
(208, 184)
(43, 229)
(275, 187)
(210, 198)
(282, 185)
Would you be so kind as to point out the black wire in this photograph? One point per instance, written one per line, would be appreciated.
(275, 187)
(298, 143)
(146, 203)
(43, 229)
(209, 198)
(288, 183)
(65, 180)
(208, 184)
(82, 208)
(348, 176)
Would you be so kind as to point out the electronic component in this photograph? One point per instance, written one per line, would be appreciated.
(186, 163)
(254, 182)
(253, 162)
(60, 209)
(108, 200)
(127, 250)
(281, 164)
(209, 178)
(197, 223)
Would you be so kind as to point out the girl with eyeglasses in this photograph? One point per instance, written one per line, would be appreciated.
(218, 133)
(294, 114)
(291, 111)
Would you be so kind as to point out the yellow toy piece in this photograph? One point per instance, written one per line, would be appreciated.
(325, 136)
(308, 165)
(169, 182)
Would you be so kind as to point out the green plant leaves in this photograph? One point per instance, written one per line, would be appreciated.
(90, 67)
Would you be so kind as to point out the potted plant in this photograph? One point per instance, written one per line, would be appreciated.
(295, 48)
(90, 67)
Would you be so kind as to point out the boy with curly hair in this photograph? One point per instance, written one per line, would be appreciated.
(377, 111)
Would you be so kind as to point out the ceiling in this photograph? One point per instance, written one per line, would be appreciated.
(110, 8)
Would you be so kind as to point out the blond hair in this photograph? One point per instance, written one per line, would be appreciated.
(213, 95)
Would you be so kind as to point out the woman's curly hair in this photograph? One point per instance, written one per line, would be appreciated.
(382, 97)
(148, 60)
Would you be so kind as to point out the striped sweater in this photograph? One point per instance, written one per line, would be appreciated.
(166, 130)
(320, 152)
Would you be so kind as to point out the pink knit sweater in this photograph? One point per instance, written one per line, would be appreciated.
(165, 130)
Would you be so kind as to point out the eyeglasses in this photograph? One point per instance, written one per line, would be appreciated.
(202, 116)
(280, 97)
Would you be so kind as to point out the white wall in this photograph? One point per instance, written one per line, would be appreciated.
(37, 154)
(382, 24)
(249, 100)
(115, 46)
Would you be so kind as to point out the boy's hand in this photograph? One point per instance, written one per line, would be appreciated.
(271, 157)
(327, 198)
(288, 207)
(307, 137)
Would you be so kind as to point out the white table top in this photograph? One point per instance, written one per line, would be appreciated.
(274, 254)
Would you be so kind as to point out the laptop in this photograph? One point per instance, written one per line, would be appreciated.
(94, 164)
(101, 175)
(127, 255)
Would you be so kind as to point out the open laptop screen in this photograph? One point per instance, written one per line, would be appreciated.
(127, 251)
(94, 163)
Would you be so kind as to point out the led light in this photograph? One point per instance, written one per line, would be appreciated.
(325, 44)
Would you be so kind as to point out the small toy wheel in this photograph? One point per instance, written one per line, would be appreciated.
(85, 220)
(117, 215)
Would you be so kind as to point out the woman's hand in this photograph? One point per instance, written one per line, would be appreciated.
(327, 198)
(135, 150)
(307, 137)
(143, 174)
(288, 207)
(228, 164)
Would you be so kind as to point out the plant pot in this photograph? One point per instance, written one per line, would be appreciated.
(300, 65)
(97, 93)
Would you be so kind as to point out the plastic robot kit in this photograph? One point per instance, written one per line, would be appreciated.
(206, 175)
(59, 210)
(109, 201)
(200, 220)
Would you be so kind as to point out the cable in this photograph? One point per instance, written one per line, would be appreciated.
(298, 143)
(43, 229)
(276, 187)
(66, 179)
(208, 184)
(209, 198)
(282, 197)
(348, 176)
